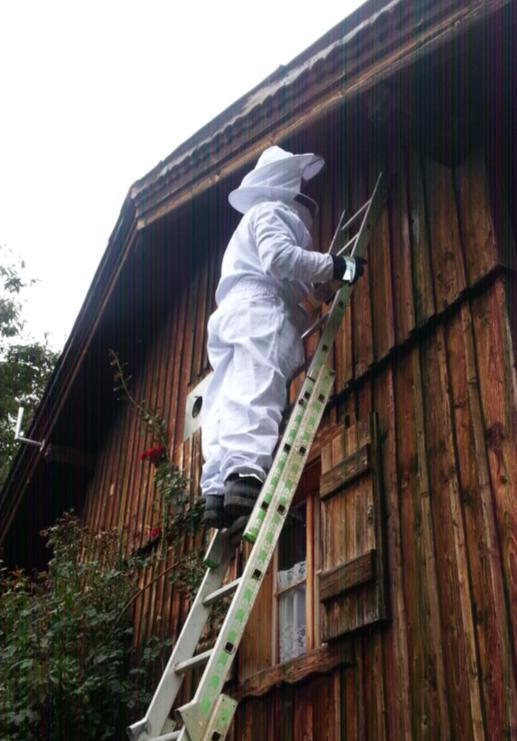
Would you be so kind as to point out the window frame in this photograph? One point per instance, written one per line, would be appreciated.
(308, 492)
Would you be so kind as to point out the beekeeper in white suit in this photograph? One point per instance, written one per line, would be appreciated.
(254, 336)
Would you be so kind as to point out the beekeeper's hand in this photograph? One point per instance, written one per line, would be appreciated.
(348, 269)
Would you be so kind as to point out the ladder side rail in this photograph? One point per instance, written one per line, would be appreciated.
(151, 725)
(370, 217)
(336, 233)
(197, 714)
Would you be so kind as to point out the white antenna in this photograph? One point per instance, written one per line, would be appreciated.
(18, 432)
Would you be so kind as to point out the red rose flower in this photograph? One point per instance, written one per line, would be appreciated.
(155, 532)
(155, 454)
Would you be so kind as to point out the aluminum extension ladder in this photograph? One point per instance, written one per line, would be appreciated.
(207, 717)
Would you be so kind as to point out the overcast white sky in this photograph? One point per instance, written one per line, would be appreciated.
(94, 94)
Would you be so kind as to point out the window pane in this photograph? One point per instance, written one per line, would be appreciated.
(293, 540)
(292, 552)
(291, 622)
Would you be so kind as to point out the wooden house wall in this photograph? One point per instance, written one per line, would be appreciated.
(427, 345)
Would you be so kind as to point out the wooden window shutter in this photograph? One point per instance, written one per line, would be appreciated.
(352, 584)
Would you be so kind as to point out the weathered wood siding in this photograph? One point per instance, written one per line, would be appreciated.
(427, 345)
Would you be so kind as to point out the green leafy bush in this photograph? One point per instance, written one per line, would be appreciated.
(65, 642)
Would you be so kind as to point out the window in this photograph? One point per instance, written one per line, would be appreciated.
(294, 581)
(291, 586)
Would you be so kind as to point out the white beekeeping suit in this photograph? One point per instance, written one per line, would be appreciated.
(254, 336)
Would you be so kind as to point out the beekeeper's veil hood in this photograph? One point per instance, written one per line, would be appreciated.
(277, 175)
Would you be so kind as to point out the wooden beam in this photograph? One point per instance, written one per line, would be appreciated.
(347, 576)
(320, 661)
(345, 472)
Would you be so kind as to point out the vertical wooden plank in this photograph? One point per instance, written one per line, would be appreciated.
(361, 301)
(176, 383)
(366, 603)
(303, 724)
(110, 494)
(328, 223)
(458, 521)
(400, 246)
(151, 396)
(477, 229)
(490, 615)
(199, 267)
(429, 544)
(284, 712)
(321, 697)
(456, 615)
(177, 452)
(217, 244)
(379, 273)
(376, 709)
(98, 487)
(395, 641)
(444, 237)
(178, 455)
(167, 338)
(143, 390)
(123, 492)
(336, 704)
(157, 402)
(352, 699)
(341, 199)
(420, 258)
(374, 600)
(428, 705)
(495, 357)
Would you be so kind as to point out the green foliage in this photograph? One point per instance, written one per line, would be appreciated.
(69, 668)
(65, 645)
(24, 372)
(25, 366)
(11, 284)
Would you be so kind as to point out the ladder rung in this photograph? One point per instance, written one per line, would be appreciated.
(168, 736)
(314, 327)
(350, 241)
(197, 660)
(221, 592)
(354, 217)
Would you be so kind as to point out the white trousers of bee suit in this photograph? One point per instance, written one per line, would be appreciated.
(253, 348)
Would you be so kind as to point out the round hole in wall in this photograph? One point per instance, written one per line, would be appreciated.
(196, 406)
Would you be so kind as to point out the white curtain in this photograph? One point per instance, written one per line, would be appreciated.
(291, 612)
